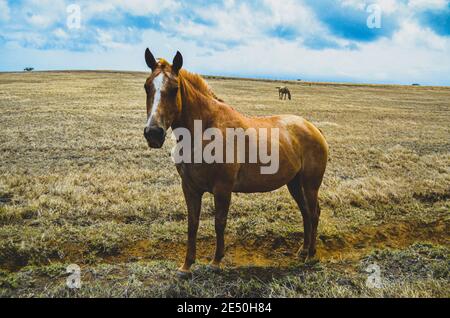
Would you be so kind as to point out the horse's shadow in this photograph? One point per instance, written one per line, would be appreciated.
(260, 273)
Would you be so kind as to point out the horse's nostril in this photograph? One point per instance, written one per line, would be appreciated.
(159, 132)
(154, 134)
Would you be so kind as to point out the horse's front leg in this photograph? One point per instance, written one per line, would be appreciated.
(222, 199)
(193, 200)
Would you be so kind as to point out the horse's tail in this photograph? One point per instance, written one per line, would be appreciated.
(321, 131)
(289, 94)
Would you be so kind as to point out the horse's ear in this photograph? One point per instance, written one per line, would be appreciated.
(150, 59)
(177, 63)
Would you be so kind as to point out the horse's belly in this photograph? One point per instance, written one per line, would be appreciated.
(251, 180)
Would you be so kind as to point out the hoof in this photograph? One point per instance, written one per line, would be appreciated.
(184, 274)
(302, 255)
(312, 260)
(213, 267)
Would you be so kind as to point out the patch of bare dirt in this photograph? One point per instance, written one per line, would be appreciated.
(270, 251)
(282, 251)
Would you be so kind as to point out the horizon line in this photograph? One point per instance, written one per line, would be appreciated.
(243, 77)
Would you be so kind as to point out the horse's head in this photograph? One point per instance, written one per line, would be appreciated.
(162, 88)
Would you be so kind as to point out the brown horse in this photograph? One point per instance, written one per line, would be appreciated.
(284, 92)
(177, 99)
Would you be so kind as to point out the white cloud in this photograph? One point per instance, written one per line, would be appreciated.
(4, 11)
(289, 12)
(60, 33)
(114, 8)
(40, 21)
(143, 7)
(412, 36)
(237, 23)
(427, 4)
(390, 6)
(357, 4)
(387, 6)
(41, 14)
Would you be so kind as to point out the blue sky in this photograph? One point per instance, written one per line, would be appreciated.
(325, 40)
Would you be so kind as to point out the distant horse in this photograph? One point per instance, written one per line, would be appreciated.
(283, 92)
(178, 99)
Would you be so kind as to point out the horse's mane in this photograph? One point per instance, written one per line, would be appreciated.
(199, 84)
(196, 81)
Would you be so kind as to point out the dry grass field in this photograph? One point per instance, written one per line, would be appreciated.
(78, 184)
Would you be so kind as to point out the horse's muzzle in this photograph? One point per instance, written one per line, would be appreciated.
(155, 136)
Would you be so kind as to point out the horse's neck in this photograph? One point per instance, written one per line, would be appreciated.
(194, 106)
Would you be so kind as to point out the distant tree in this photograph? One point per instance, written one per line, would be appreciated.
(28, 69)
(415, 84)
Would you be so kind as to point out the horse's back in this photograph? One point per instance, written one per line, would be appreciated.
(296, 127)
(309, 137)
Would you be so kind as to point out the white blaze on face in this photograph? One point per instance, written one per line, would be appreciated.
(158, 83)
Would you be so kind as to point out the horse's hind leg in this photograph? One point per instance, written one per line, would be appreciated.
(315, 224)
(296, 190)
(312, 204)
(222, 199)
